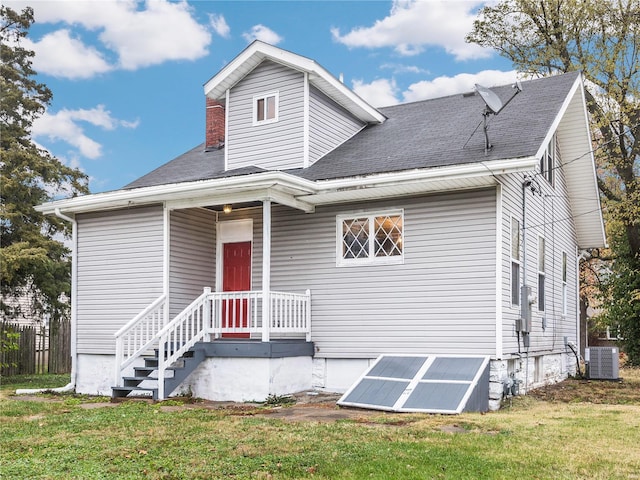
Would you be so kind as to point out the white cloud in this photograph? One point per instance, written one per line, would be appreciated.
(399, 68)
(219, 25)
(413, 25)
(379, 93)
(76, 60)
(262, 33)
(138, 34)
(384, 92)
(164, 31)
(65, 126)
(463, 82)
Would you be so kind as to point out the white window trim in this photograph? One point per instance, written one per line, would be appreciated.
(254, 109)
(512, 261)
(564, 280)
(371, 214)
(548, 171)
(543, 273)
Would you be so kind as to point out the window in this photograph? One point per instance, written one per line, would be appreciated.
(515, 261)
(370, 238)
(564, 283)
(265, 108)
(547, 162)
(541, 274)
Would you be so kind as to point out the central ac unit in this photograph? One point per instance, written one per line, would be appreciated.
(602, 363)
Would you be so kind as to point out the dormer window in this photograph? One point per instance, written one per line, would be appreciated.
(265, 108)
(548, 161)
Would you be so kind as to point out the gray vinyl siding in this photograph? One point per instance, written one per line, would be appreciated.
(272, 146)
(548, 215)
(329, 125)
(192, 264)
(441, 300)
(120, 258)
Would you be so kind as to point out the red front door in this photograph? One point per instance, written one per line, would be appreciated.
(236, 277)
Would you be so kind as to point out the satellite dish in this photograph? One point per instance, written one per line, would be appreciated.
(493, 102)
(493, 107)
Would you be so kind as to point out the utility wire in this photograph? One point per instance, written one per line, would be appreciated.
(570, 217)
(560, 164)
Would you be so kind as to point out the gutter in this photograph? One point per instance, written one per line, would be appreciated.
(307, 192)
(495, 167)
(179, 191)
(74, 284)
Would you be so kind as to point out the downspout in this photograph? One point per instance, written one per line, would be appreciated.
(74, 290)
(525, 335)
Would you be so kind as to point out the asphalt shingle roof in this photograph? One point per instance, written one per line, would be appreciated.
(432, 133)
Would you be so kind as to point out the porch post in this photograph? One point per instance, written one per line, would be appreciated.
(266, 269)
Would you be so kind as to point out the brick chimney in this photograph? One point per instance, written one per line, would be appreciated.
(214, 138)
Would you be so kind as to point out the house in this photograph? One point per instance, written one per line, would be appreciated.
(312, 233)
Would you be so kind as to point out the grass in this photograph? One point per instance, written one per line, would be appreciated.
(565, 432)
(33, 381)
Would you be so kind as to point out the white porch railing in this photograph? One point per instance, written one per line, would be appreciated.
(139, 335)
(291, 313)
(212, 313)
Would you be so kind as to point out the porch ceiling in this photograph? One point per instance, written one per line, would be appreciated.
(276, 193)
(275, 186)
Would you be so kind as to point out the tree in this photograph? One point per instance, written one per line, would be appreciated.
(601, 38)
(31, 259)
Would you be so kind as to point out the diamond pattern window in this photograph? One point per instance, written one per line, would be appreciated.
(370, 238)
(355, 238)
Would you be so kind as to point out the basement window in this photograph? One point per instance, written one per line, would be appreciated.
(265, 108)
(370, 238)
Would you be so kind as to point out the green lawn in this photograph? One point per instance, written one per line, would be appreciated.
(543, 436)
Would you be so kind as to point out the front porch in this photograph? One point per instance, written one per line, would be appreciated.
(214, 240)
(251, 324)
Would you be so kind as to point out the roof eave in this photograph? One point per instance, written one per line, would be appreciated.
(289, 189)
(578, 164)
(198, 193)
(417, 181)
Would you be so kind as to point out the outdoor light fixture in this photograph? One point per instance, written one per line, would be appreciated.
(227, 208)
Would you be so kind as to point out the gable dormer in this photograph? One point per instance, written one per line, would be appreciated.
(282, 111)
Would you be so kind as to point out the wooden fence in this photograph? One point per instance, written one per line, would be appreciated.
(39, 350)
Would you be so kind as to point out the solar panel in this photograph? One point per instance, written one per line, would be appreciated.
(423, 383)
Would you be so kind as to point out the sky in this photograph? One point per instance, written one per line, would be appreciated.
(127, 77)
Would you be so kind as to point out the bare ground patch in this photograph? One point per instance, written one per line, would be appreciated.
(576, 390)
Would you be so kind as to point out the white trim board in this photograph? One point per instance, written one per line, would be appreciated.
(230, 231)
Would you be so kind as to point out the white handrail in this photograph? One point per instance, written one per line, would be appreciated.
(131, 323)
(138, 335)
(178, 336)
